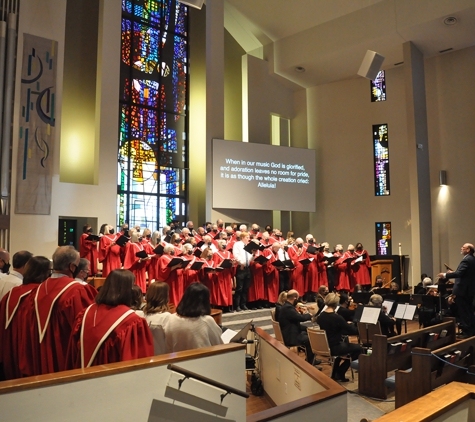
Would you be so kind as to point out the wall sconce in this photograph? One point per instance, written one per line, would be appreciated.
(443, 178)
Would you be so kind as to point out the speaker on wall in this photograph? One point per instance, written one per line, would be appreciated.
(371, 65)
(197, 4)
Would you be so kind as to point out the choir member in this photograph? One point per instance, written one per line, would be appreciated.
(224, 278)
(53, 307)
(220, 224)
(88, 248)
(322, 267)
(190, 226)
(134, 263)
(192, 327)
(157, 312)
(255, 231)
(346, 281)
(297, 252)
(312, 278)
(256, 294)
(109, 251)
(243, 272)
(208, 274)
(271, 274)
(175, 241)
(330, 266)
(16, 359)
(200, 234)
(209, 243)
(173, 276)
(109, 330)
(362, 266)
(189, 275)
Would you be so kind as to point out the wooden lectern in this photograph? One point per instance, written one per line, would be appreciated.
(382, 267)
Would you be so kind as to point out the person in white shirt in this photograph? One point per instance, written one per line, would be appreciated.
(243, 272)
(15, 277)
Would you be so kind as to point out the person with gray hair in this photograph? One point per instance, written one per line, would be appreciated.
(173, 275)
(385, 321)
(54, 306)
(83, 270)
(136, 259)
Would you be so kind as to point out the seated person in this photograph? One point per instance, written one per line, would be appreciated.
(289, 320)
(192, 327)
(394, 288)
(156, 312)
(322, 292)
(347, 314)
(109, 330)
(280, 301)
(385, 321)
(336, 327)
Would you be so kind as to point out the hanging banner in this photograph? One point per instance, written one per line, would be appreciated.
(37, 126)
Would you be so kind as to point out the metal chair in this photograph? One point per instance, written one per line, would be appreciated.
(279, 337)
(319, 344)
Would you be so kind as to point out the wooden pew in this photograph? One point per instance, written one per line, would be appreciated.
(374, 368)
(429, 372)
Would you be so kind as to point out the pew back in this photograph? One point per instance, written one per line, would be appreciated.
(429, 372)
(373, 369)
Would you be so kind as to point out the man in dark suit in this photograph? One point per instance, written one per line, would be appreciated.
(464, 289)
(289, 319)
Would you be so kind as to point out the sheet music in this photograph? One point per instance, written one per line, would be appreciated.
(228, 335)
(400, 310)
(370, 315)
(410, 311)
(388, 304)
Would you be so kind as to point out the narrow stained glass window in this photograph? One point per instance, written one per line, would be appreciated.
(381, 160)
(152, 147)
(378, 88)
(383, 239)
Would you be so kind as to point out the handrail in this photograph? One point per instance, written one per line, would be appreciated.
(202, 378)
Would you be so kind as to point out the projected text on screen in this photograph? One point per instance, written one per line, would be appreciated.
(272, 177)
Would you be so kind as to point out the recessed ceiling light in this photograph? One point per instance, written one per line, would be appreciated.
(299, 69)
(450, 20)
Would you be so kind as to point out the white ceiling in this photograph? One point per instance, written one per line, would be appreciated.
(329, 38)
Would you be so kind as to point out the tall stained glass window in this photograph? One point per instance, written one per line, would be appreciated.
(381, 160)
(153, 150)
(383, 239)
(378, 88)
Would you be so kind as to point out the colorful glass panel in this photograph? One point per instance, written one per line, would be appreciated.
(378, 87)
(152, 148)
(381, 160)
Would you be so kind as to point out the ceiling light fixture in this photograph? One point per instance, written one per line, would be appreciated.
(450, 20)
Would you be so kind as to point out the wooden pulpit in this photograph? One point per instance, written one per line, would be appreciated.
(382, 267)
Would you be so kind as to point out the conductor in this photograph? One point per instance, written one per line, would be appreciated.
(464, 289)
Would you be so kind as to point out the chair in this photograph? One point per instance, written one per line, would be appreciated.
(367, 332)
(279, 337)
(319, 344)
(272, 314)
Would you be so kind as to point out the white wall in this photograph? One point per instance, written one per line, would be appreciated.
(126, 396)
(39, 233)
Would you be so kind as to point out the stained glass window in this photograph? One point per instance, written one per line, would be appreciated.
(383, 239)
(152, 150)
(378, 87)
(381, 160)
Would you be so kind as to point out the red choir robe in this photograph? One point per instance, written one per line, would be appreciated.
(88, 250)
(14, 350)
(256, 289)
(174, 278)
(271, 276)
(52, 309)
(189, 275)
(224, 279)
(298, 276)
(322, 270)
(109, 254)
(107, 334)
(152, 265)
(208, 278)
(133, 263)
(346, 279)
(361, 269)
